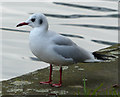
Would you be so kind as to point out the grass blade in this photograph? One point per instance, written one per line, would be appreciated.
(95, 91)
(85, 89)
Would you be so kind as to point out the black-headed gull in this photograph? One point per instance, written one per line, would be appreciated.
(54, 48)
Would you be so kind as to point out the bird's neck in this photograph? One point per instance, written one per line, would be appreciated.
(38, 31)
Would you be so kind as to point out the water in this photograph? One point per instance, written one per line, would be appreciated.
(91, 25)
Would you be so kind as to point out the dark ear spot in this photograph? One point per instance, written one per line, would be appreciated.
(33, 19)
(40, 21)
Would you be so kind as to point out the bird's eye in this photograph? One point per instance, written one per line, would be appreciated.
(33, 19)
(41, 21)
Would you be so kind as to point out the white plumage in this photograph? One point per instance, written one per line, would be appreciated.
(52, 47)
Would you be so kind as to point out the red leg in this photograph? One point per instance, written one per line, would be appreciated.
(60, 82)
(50, 77)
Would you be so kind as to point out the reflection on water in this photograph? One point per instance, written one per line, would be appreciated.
(94, 26)
(86, 7)
(9, 29)
(75, 36)
(104, 42)
(67, 35)
(80, 16)
(112, 0)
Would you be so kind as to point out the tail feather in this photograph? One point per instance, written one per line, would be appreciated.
(101, 56)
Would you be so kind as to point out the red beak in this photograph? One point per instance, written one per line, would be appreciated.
(21, 24)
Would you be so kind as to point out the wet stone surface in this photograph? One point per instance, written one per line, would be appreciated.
(73, 76)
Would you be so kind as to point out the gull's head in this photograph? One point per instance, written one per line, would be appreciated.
(36, 20)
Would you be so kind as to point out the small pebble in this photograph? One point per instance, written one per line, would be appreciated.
(81, 69)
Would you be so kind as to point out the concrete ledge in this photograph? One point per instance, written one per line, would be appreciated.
(94, 73)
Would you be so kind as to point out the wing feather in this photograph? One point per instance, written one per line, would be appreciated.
(68, 49)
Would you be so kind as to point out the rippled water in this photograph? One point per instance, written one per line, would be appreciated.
(91, 25)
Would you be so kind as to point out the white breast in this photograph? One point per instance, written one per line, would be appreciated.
(42, 45)
(37, 43)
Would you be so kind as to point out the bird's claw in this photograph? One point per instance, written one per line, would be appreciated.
(48, 82)
(56, 85)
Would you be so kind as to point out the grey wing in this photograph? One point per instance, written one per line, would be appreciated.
(68, 49)
(61, 40)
